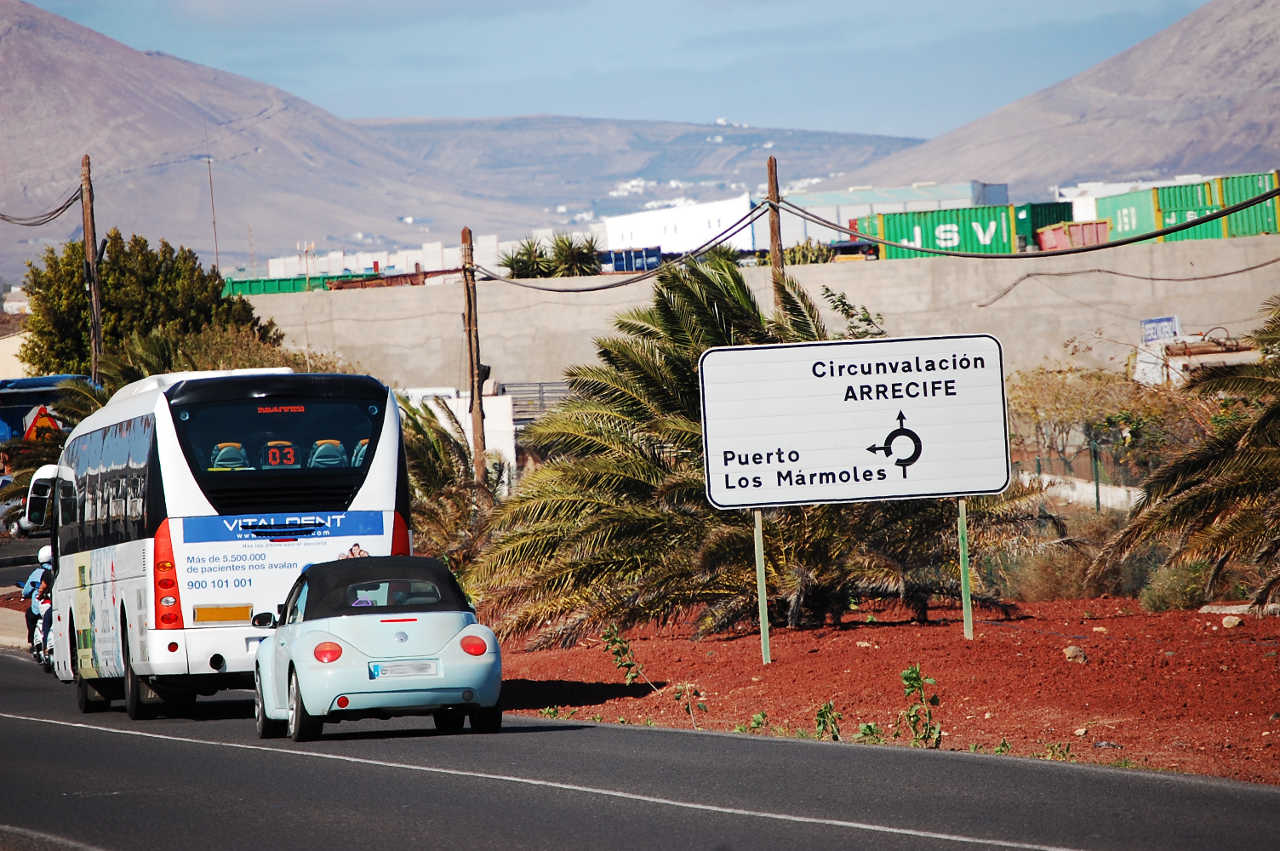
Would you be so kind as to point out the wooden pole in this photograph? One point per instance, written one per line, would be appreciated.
(775, 231)
(473, 357)
(91, 268)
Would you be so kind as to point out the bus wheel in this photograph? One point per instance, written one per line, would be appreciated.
(268, 728)
(88, 698)
(303, 726)
(134, 706)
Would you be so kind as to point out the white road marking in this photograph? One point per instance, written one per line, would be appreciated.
(40, 836)
(568, 787)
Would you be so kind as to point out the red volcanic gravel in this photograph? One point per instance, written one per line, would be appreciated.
(1172, 692)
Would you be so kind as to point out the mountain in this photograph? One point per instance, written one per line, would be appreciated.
(1202, 96)
(159, 130)
(612, 166)
(283, 170)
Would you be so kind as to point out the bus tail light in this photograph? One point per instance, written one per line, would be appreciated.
(165, 576)
(399, 536)
(327, 651)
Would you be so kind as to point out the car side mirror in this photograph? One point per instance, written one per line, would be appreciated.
(263, 620)
(279, 611)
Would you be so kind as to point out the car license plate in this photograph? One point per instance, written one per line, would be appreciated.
(424, 668)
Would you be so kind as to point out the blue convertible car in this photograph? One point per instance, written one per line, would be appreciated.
(373, 638)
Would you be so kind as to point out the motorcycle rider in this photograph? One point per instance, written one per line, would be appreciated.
(32, 586)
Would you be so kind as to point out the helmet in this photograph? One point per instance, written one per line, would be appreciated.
(45, 555)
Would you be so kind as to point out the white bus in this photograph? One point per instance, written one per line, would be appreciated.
(192, 500)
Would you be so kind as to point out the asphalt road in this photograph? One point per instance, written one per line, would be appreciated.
(17, 550)
(205, 781)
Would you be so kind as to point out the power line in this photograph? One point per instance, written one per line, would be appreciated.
(42, 218)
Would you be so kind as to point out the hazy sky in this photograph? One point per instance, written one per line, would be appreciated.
(914, 68)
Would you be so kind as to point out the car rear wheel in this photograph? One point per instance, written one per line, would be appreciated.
(302, 725)
(268, 728)
(449, 720)
(487, 720)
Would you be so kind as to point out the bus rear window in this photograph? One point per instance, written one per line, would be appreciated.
(237, 447)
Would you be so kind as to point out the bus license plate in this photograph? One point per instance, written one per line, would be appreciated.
(424, 668)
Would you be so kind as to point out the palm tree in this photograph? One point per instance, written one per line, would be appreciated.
(450, 508)
(615, 529)
(529, 260)
(572, 257)
(1217, 499)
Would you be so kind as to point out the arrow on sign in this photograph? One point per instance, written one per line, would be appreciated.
(887, 448)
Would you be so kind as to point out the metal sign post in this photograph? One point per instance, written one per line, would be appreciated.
(760, 592)
(966, 604)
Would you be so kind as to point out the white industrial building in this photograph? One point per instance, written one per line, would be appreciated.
(675, 230)
(680, 229)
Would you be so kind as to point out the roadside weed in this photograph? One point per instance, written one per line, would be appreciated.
(1057, 751)
(623, 658)
(554, 712)
(689, 696)
(1003, 748)
(869, 733)
(758, 721)
(827, 722)
(918, 716)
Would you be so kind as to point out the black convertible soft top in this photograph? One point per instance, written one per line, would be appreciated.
(329, 582)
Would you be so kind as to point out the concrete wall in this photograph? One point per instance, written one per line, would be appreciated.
(412, 336)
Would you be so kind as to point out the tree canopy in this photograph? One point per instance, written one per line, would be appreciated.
(142, 290)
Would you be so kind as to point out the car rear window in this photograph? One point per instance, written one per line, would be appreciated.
(387, 595)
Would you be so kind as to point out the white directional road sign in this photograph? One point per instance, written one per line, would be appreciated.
(854, 420)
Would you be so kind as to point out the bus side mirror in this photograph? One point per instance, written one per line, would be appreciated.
(263, 620)
(37, 509)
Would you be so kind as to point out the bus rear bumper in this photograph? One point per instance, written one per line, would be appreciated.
(206, 651)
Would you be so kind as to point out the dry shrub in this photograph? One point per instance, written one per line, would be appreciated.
(1059, 571)
(1179, 585)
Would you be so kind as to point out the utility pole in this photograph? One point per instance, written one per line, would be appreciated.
(213, 215)
(473, 356)
(91, 269)
(775, 232)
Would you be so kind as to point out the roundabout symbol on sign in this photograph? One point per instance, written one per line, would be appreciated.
(887, 448)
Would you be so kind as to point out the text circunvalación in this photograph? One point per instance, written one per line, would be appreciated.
(930, 382)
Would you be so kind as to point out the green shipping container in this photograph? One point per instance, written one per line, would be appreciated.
(1129, 214)
(980, 230)
(1029, 218)
(1208, 230)
(1188, 196)
(1255, 220)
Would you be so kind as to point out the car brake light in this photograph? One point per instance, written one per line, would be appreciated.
(327, 651)
(165, 576)
(473, 645)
